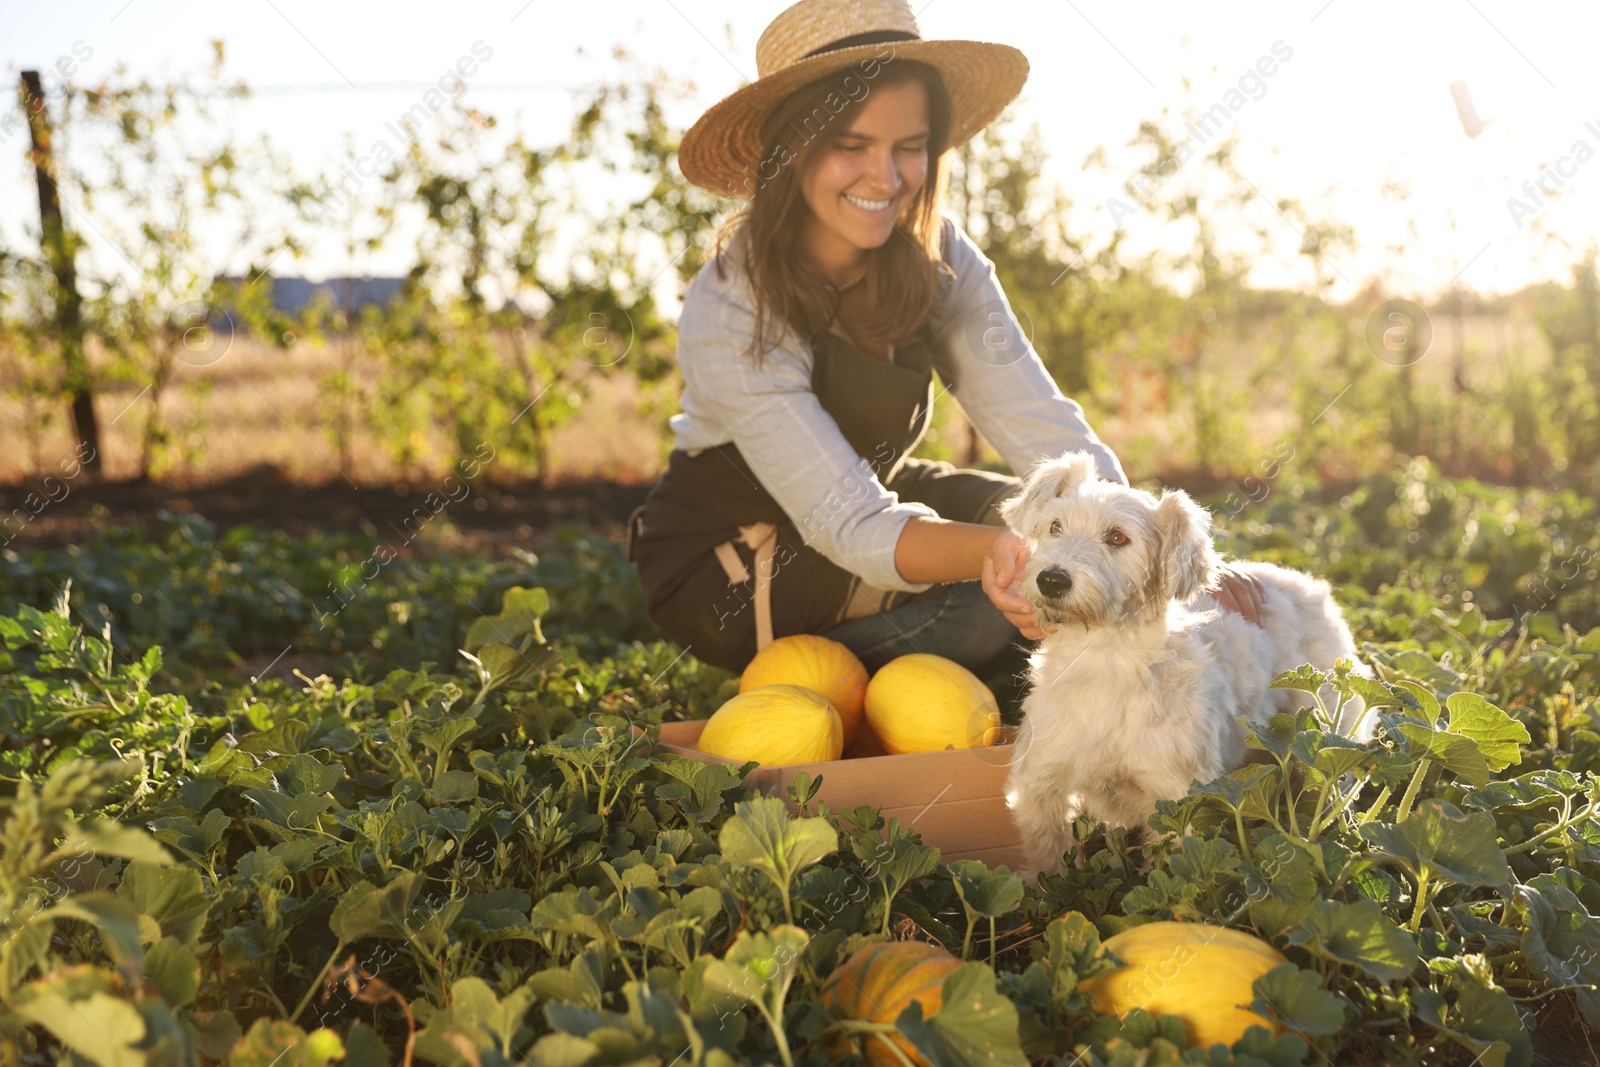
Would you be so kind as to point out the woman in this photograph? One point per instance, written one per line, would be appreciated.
(808, 344)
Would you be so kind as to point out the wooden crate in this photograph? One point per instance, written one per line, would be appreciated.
(955, 799)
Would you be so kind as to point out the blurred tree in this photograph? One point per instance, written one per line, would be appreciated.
(59, 244)
(163, 184)
(510, 317)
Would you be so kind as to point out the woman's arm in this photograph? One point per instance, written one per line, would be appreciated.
(938, 550)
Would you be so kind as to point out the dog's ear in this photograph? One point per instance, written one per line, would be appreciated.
(1188, 560)
(1048, 480)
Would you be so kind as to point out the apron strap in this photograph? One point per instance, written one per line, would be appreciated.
(763, 538)
(634, 531)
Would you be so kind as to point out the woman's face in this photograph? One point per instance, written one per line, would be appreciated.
(859, 183)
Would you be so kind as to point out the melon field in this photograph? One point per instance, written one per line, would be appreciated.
(445, 836)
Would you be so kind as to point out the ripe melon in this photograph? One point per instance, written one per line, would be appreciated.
(878, 982)
(775, 725)
(1198, 972)
(926, 703)
(816, 663)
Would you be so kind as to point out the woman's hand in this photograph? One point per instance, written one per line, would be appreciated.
(1240, 593)
(1002, 580)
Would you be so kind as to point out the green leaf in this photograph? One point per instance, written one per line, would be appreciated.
(104, 837)
(574, 910)
(475, 1006)
(519, 617)
(696, 788)
(1562, 942)
(897, 861)
(197, 841)
(1257, 1048)
(990, 893)
(1250, 790)
(298, 814)
(1435, 677)
(759, 967)
(1074, 952)
(1205, 861)
(1374, 694)
(582, 981)
(506, 665)
(307, 774)
(1483, 1019)
(1296, 998)
(103, 1028)
(21, 950)
(1542, 789)
(1330, 755)
(216, 1032)
(118, 922)
(174, 970)
(1162, 892)
(1459, 755)
(364, 1048)
(1277, 735)
(443, 737)
(452, 787)
(1437, 837)
(562, 1049)
(275, 1043)
(368, 910)
(171, 902)
(1305, 678)
(1281, 884)
(976, 1025)
(761, 834)
(285, 738)
(1499, 737)
(1358, 934)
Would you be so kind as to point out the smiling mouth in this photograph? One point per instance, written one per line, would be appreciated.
(876, 207)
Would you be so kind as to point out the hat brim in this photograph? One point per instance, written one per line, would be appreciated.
(722, 151)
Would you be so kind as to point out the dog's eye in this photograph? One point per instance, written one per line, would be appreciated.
(1055, 528)
(1116, 538)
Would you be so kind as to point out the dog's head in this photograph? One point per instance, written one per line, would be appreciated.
(1104, 553)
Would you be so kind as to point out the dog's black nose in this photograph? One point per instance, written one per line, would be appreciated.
(1054, 582)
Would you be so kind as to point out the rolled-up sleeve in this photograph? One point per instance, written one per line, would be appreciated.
(788, 439)
(991, 367)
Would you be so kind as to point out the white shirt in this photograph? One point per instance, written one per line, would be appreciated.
(798, 452)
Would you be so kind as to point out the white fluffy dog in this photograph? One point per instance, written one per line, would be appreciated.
(1137, 683)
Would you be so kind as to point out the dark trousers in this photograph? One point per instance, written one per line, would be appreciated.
(715, 619)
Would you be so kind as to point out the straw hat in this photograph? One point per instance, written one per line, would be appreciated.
(816, 38)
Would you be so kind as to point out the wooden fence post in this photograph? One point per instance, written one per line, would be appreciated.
(57, 245)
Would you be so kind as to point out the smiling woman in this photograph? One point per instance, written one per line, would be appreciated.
(808, 347)
(839, 202)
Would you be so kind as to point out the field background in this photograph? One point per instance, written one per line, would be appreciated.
(327, 701)
(234, 418)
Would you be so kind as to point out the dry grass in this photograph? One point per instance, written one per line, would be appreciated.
(263, 407)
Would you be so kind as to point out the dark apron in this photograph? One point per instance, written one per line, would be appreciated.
(695, 539)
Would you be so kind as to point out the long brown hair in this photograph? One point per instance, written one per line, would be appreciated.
(901, 275)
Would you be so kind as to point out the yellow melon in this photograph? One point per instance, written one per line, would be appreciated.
(816, 663)
(1198, 972)
(775, 725)
(880, 981)
(926, 703)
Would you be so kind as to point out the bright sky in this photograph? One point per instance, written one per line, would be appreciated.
(1363, 101)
